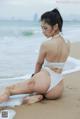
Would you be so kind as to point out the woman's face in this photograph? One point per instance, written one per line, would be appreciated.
(47, 29)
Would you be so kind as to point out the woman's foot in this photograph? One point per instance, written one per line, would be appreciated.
(4, 98)
(4, 95)
(32, 99)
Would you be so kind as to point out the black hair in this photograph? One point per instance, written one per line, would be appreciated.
(53, 17)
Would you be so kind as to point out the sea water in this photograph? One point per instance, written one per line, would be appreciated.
(19, 42)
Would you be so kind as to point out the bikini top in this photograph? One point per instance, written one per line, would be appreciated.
(53, 64)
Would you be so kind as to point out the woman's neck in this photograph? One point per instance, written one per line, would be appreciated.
(56, 35)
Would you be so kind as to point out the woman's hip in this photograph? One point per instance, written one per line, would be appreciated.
(42, 81)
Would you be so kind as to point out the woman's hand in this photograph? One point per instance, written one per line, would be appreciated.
(32, 74)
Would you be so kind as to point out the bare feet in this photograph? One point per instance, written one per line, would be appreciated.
(32, 99)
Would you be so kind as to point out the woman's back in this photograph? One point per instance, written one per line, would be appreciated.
(57, 49)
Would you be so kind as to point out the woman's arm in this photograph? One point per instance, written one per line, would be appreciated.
(41, 57)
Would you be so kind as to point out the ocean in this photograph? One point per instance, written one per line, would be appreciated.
(20, 41)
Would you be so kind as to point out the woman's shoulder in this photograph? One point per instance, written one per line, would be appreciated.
(67, 41)
(49, 42)
(49, 45)
(67, 44)
(44, 44)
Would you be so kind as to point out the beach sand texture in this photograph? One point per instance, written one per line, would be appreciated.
(68, 107)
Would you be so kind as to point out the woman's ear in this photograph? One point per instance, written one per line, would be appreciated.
(55, 27)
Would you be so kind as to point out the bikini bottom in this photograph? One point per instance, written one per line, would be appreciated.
(55, 78)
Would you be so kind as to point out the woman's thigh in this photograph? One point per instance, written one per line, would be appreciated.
(56, 92)
(42, 82)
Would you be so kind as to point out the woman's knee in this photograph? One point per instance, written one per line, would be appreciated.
(9, 89)
(53, 97)
(58, 93)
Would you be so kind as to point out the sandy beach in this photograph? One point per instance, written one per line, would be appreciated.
(68, 107)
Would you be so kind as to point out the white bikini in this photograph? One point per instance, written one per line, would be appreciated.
(55, 77)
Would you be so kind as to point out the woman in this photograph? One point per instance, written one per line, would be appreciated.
(47, 79)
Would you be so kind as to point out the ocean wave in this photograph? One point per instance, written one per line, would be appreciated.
(28, 33)
(19, 32)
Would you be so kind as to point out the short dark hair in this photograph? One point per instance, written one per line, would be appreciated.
(53, 17)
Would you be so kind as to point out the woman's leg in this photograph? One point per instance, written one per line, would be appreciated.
(32, 99)
(26, 86)
(38, 83)
(56, 92)
(22, 87)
